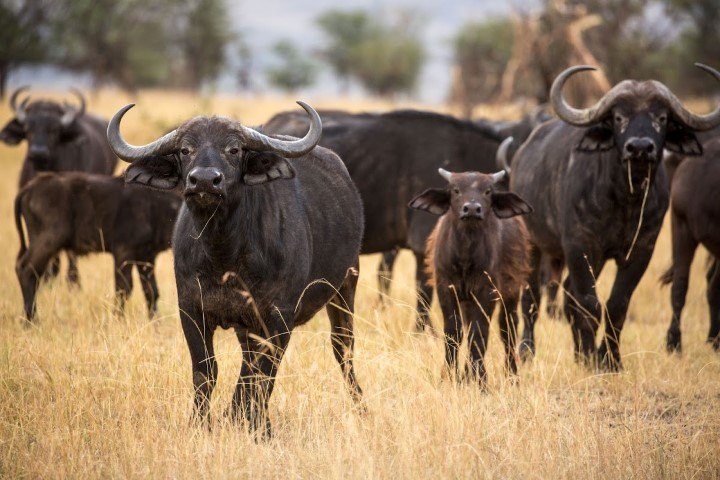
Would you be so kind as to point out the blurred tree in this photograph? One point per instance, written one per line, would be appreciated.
(245, 67)
(23, 35)
(345, 31)
(294, 71)
(481, 51)
(203, 41)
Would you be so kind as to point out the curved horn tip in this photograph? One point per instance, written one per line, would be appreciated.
(445, 174)
(499, 176)
(707, 69)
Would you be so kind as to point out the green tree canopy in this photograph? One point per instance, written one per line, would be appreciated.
(294, 70)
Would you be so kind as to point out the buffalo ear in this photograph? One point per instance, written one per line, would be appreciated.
(683, 141)
(71, 132)
(508, 204)
(264, 167)
(596, 139)
(433, 200)
(158, 172)
(13, 132)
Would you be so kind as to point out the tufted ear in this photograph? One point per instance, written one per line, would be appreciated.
(682, 141)
(433, 200)
(264, 167)
(508, 204)
(162, 173)
(13, 132)
(597, 138)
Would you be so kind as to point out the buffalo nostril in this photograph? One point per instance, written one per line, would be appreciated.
(478, 209)
(465, 209)
(650, 148)
(192, 180)
(630, 148)
(217, 180)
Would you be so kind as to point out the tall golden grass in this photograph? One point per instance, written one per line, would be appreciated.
(84, 394)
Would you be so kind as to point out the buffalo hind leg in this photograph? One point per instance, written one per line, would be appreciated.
(384, 274)
(123, 283)
(552, 286)
(340, 310)
(30, 268)
(626, 280)
(713, 297)
(257, 375)
(508, 332)
(531, 307)
(424, 293)
(683, 246)
(146, 271)
(73, 276)
(53, 269)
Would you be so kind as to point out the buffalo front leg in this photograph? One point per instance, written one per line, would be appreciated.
(713, 297)
(384, 274)
(73, 276)
(123, 283)
(508, 332)
(684, 246)
(340, 310)
(424, 292)
(477, 313)
(531, 307)
(626, 280)
(199, 339)
(452, 325)
(146, 271)
(261, 360)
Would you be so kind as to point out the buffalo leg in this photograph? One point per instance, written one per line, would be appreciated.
(424, 292)
(713, 297)
(257, 375)
(626, 280)
(53, 269)
(387, 261)
(684, 246)
(146, 271)
(508, 332)
(73, 276)
(552, 286)
(30, 267)
(583, 308)
(340, 310)
(123, 283)
(452, 326)
(531, 308)
(199, 339)
(477, 317)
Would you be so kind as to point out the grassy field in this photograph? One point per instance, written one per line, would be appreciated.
(84, 394)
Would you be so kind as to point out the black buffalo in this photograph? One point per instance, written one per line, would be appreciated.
(269, 234)
(391, 156)
(83, 213)
(695, 216)
(60, 138)
(598, 186)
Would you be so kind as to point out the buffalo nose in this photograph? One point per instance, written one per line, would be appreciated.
(205, 179)
(472, 210)
(38, 151)
(640, 146)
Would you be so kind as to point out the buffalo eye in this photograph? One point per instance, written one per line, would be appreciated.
(662, 119)
(456, 191)
(618, 119)
(488, 191)
(185, 151)
(234, 151)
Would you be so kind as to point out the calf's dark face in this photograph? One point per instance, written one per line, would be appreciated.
(210, 165)
(470, 197)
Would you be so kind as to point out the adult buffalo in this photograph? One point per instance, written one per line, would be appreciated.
(269, 234)
(60, 138)
(599, 189)
(391, 156)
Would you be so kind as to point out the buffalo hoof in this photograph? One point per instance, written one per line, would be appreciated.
(608, 360)
(526, 350)
(674, 342)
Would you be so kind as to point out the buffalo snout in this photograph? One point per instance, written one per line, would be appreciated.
(472, 210)
(640, 147)
(38, 152)
(202, 180)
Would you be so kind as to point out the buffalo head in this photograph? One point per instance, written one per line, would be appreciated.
(637, 118)
(209, 158)
(43, 124)
(470, 196)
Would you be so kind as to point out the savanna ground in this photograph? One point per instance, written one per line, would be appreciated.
(86, 394)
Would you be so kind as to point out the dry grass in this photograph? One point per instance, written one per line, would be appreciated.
(84, 394)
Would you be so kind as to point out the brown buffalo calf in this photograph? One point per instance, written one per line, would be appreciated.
(84, 213)
(695, 217)
(478, 256)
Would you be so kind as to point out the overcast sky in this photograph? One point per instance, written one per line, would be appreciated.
(262, 23)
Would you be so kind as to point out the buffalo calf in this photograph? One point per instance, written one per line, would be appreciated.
(84, 213)
(478, 254)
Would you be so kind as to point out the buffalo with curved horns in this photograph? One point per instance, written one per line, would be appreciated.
(599, 189)
(269, 233)
(60, 138)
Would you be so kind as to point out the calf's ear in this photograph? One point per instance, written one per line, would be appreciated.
(682, 141)
(433, 200)
(12, 133)
(158, 172)
(596, 139)
(264, 167)
(508, 204)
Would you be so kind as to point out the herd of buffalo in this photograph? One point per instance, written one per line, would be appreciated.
(267, 224)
